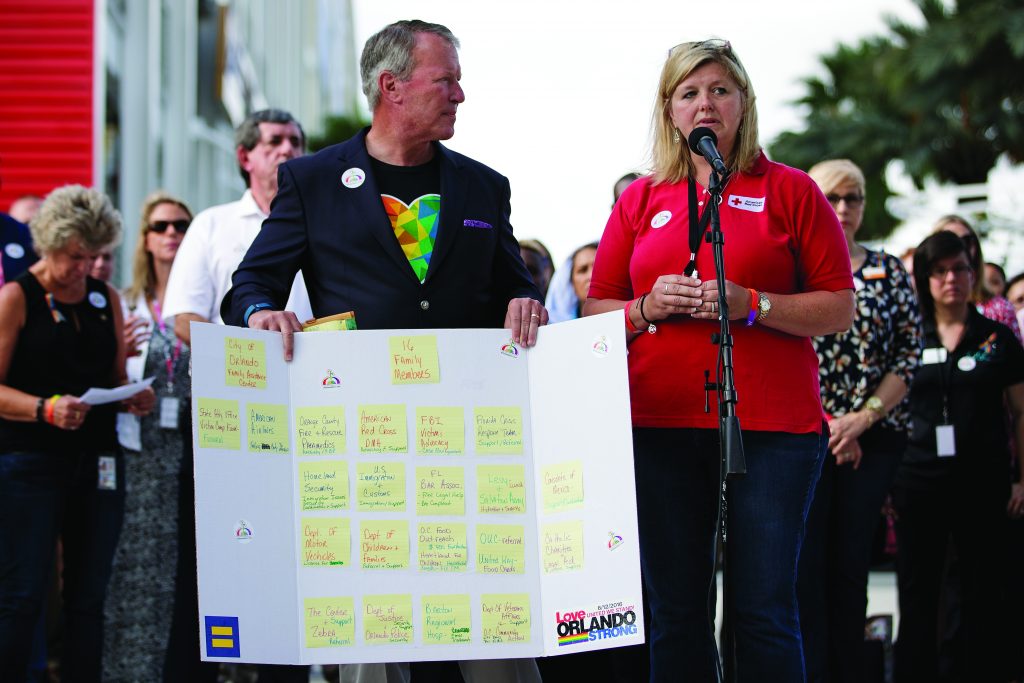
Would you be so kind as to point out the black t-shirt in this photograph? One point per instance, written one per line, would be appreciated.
(971, 381)
(412, 201)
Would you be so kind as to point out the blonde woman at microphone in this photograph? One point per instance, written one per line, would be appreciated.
(788, 279)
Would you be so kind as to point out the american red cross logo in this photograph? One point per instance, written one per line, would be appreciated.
(735, 201)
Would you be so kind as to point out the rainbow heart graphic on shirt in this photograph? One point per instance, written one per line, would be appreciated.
(415, 226)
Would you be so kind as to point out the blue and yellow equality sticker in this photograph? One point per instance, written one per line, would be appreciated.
(222, 637)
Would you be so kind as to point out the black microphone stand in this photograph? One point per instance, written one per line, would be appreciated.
(733, 462)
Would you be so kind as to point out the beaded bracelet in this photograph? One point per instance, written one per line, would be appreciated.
(40, 410)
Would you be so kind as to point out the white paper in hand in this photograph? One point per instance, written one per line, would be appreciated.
(96, 397)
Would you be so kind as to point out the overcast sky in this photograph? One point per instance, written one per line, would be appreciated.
(559, 92)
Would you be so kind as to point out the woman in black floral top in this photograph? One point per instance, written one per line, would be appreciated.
(865, 374)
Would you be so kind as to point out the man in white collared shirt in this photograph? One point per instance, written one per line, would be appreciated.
(218, 237)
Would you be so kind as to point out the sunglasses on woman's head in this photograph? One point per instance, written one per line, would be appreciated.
(180, 226)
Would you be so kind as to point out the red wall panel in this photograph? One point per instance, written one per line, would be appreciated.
(46, 95)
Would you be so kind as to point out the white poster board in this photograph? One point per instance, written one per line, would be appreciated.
(407, 495)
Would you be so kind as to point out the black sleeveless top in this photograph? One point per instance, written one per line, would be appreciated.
(63, 349)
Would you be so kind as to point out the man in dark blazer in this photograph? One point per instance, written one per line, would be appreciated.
(400, 230)
(391, 224)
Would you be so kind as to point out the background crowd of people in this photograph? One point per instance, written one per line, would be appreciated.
(863, 381)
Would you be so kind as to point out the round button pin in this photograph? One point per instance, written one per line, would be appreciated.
(97, 299)
(967, 363)
(660, 219)
(353, 178)
(14, 250)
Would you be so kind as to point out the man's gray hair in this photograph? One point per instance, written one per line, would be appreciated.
(390, 49)
(247, 135)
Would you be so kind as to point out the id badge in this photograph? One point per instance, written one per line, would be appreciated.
(945, 441)
(107, 473)
(169, 407)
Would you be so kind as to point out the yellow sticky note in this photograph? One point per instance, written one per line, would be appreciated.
(505, 617)
(501, 488)
(499, 430)
(446, 620)
(382, 429)
(323, 485)
(380, 486)
(440, 491)
(245, 363)
(320, 430)
(268, 428)
(562, 486)
(442, 547)
(562, 546)
(330, 622)
(326, 542)
(219, 424)
(384, 544)
(500, 549)
(440, 431)
(387, 619)
(414, 360)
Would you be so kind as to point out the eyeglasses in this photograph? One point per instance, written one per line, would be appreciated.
(716, 44)
(180, 226)
(959, 270)
(852, 200)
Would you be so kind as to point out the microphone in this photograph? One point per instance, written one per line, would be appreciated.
(703, 141)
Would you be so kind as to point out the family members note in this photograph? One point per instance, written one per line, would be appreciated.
(414, 360)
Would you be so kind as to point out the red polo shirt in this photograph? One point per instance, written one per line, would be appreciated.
(781, 237)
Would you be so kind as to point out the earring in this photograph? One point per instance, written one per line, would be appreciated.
(675, 135)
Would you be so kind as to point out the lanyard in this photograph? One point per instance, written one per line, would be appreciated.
(697, 227)
(171, 359)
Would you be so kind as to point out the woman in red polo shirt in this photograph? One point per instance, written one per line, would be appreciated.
(788, 279)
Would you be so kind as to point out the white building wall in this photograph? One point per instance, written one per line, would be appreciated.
(172, 133)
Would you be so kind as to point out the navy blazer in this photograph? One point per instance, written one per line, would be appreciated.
(342, 240)
(16, 243)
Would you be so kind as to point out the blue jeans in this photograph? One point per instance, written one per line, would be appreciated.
(836, 558)
(677, 485)
(43, 496)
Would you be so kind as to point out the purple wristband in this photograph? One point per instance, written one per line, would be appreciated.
(751, 317)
